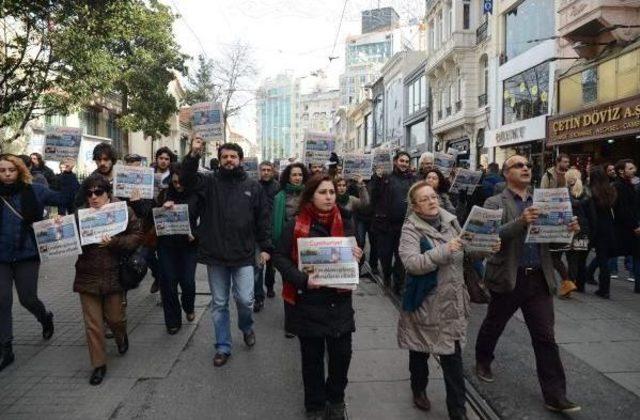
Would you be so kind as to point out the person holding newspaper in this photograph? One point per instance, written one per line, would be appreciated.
(178, 256)
(521, 276)
(21, 204)
(321, 317)
(234, 221)
(97, 279)
(435, 304)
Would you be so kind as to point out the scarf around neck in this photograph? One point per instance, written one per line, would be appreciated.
(308, 215)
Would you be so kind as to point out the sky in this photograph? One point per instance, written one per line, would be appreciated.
(296, 35)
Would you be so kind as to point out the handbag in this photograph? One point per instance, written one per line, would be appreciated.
(478, 292)
(132, 269)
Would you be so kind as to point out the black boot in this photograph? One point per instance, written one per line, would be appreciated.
(47, 326)
(336, 411)
(98, 375)
(6, 355)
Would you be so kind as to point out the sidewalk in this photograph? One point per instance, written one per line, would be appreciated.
(599, 344)
(173, 377)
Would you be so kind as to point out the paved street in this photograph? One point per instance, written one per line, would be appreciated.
(171, 377)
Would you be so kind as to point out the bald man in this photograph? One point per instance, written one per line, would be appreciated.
(521, 276)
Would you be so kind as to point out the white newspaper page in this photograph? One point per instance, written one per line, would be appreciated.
(61, 142)
(128, 178)
(250, 165)
(56, 240)
(329, 261)
(465, 180)
(355, 165)
(207, 120)
(110, 219)
(317, 147)
(382, 160)
(555, 215)
(173, 221)
(480, 231)
(444, 162)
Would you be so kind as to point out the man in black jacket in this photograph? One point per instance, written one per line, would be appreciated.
(264, 274)
(233, 222)
(389, 202)
(627, 215)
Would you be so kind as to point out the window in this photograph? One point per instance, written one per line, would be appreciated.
(432, 38)
(526, 95)
(423, 92)
(442, 28)
(452, 95)
(451, 22)
(466, 14)
(589, 85)
(89, 121)
(485, 75)
(417, 133)
(459, 84)
(530, 20)
(56, 120)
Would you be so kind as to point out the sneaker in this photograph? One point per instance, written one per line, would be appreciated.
(483, 372)
(258, 305)
(563, 406)
(336, 411)
(566, 287)
(631, 279)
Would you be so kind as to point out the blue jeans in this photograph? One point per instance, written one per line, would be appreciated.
(178, 266)
(221, 279)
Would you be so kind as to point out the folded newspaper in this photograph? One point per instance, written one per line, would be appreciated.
(329, 262)
(110, 219)
(174, 221)
(465, 180)
(56, 240)
(480, 231)
(555, 215)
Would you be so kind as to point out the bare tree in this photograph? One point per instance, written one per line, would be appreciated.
(234, 73)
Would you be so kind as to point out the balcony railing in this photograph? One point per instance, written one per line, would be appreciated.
(482, 33)
(482, 100)
(448, 111)
(458, 106)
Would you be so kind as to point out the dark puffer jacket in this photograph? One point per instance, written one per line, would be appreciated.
(97, 266)
(318, 312)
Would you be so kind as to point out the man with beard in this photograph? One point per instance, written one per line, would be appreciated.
(389, 202)
(234, 221)
(104, 157)
(264, 274)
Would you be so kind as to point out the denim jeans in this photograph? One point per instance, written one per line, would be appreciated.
(221, 280)
(178, 266)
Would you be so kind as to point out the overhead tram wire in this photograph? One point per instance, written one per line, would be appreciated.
(195, 35)
(344, 8)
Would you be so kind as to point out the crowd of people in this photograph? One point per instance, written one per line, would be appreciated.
(244, 230)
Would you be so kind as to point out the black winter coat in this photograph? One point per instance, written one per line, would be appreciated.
(318, 312)
(389, 200)
(234, 218)
(627, 218)
(270, 188)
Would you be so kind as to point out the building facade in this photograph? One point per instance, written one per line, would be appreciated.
(274, 116)
(417, 122)
(597, 112)
(458, 46)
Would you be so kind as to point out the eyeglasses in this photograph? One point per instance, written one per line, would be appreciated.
(98, 192)
(427, 198)
(520, 165)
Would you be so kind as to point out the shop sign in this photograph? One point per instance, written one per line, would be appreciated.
(614, 119)
(512, 135)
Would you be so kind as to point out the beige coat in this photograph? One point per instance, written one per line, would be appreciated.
(442, 318)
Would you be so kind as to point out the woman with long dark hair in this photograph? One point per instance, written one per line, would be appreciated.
(603, 198)
(285, 206)
(21, 204)
(322, 317)
(441, 185)
(178, 256)
(579, 248)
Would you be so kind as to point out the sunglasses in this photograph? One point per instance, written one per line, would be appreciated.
(521, 165)
(98, 192)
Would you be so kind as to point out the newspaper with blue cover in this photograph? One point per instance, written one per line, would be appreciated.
(329, 262)
(355, 165)
(128, 178)
(481, 230)
(556, 213)
(174, 221)
(56, 239)
(109, 219)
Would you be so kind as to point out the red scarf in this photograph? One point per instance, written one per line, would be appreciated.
(304, 220)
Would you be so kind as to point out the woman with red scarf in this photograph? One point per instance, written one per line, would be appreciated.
(321, 317)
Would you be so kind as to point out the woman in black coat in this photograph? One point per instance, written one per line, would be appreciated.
(321, 317)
